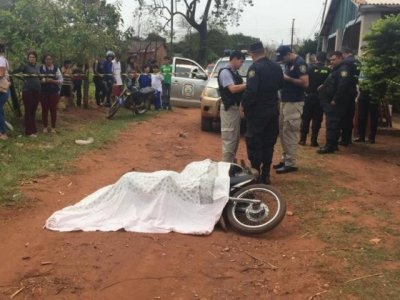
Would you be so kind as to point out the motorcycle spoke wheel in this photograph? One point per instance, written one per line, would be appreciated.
(113, 109)
(256, 218)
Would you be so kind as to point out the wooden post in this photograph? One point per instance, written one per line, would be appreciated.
(86, 86)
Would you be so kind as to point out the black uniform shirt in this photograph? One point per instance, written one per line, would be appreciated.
(290, 91)
(317, 75)
(264, 79)
(338, 85)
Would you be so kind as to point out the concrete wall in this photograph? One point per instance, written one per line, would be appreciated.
(367, 18)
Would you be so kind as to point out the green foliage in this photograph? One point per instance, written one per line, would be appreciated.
(307, 46)
(63, 28)
(218, 41)
(381, 61)
(199, 17)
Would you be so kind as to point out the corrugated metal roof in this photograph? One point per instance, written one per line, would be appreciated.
(377, 2)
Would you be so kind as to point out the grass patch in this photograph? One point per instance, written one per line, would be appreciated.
(324, 208)
(385, 286)
(23, 158)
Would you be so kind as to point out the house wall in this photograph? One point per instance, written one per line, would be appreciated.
(367, 19)
(345, 13)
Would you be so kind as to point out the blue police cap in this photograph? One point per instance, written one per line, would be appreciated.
(282, 51)
(256, 47)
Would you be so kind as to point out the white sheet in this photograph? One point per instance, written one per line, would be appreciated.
(188, 202)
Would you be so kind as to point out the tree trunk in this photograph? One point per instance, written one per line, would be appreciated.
(203, 34)
(86, 86)
(14, 99)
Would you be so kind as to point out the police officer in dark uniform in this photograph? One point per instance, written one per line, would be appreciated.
(260, 105)
(335, 96)
(347, 121)
(312, 110)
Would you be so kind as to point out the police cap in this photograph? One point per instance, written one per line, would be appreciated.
(256, 47)
(282, 51)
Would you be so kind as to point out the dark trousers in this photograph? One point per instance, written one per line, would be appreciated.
(333, 120)
(77, 89)
(49, 102)
(100, 91)
(366, 106)
(108, 83)
(312, 111)
(166, 95)
(261, 135)
(346, 125)
(31, 102)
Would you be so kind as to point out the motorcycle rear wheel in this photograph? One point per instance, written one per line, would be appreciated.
(256, 218)
(113, 109)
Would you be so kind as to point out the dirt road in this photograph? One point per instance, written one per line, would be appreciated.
(40, 264)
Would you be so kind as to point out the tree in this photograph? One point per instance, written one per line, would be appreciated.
(307, 46)
(68, 29)
(198, 14)
(381, 61)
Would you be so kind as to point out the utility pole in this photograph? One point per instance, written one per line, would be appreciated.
(172, 27)
(292, 34)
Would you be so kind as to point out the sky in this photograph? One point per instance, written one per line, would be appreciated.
(268, 20)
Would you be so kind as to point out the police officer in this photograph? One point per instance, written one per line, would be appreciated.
(231, 88)
(317, 74)
(295, 82)
(335, 96)
(347, 121)
(260, 105)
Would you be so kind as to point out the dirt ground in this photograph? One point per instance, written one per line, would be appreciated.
(41, 264)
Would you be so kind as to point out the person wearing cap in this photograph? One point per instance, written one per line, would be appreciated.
(334, 95)
(292, 101)
(317, 74)
(231, 87)
(260, 105)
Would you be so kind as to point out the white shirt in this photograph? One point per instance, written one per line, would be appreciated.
(116, 65)
(4, 64)
(156, 81)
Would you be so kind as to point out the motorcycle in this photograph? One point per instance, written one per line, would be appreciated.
(252, 208)
(134, 99)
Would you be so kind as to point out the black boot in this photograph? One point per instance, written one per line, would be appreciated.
(257, 166)
(264, 177)
(303, 139)
(314, 142)
(326, 149)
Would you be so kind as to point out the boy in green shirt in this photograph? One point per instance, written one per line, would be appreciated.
(166, 71)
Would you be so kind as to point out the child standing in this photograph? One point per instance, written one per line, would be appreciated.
(145, 78)
(156, 84)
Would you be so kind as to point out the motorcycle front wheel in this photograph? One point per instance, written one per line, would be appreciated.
(113, 109)
(256, 218)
